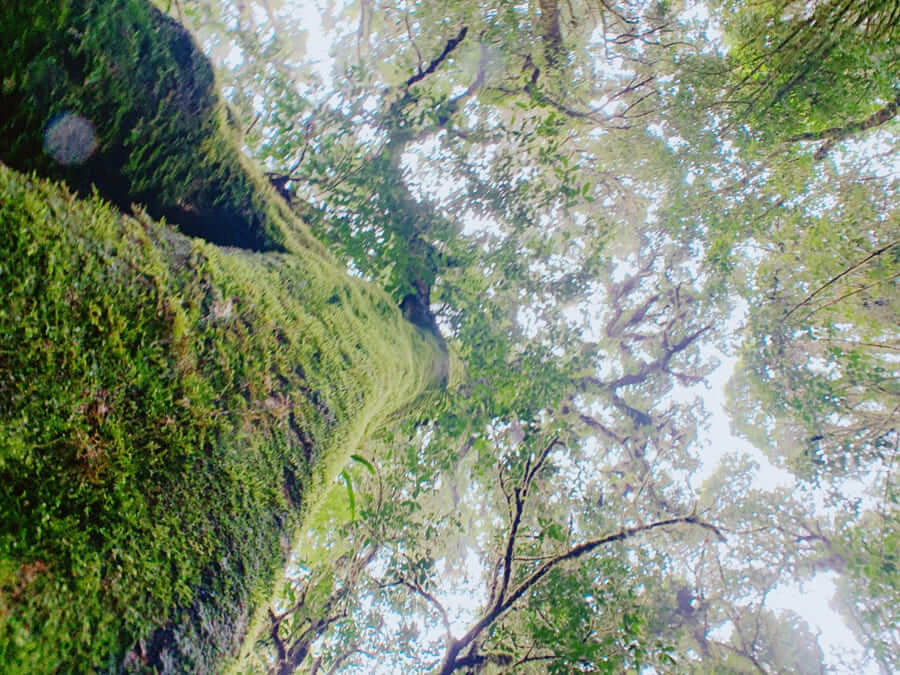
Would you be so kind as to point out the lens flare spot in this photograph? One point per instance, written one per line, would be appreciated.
(69, 138)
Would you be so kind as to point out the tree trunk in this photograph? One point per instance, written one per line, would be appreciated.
(220, 376)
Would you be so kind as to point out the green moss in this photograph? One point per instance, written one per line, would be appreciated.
(135, 78)
(164, 406)
(168, 408)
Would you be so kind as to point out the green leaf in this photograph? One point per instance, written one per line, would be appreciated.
(366, 463)
(351, 497)
(555, 532)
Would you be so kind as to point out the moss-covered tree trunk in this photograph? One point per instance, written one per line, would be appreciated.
(166, 403)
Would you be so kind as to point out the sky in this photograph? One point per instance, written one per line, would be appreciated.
(811, 599)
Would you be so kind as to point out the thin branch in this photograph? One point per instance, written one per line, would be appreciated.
(433, 66)
(445, 619)
(848, 294)
(510, 544)
(834, 135)
(477, 83)
(588, 546)
(531, 658)
(413, 43)
(592, 423)
(874, 345)
(834, 279)
(339, 661)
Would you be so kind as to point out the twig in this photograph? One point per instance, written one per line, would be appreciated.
(848, 294)
(445, 619)
(834, 279)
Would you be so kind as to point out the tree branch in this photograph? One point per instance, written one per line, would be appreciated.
(849, 294)
(452, 662)
(520, 494)
(835, 135)
(445, 619)
(433, 66)
(276, 639)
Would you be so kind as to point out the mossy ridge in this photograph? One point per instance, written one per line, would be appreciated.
(163, 405)
(163, 140)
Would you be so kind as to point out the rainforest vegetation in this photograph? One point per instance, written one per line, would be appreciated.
(359, 336)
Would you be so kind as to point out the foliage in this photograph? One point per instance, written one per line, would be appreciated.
(820, 350)
(872, 556)
(817, 73)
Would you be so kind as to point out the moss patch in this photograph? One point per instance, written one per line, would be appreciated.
(168, 408)
(115, 94)
(163, 404)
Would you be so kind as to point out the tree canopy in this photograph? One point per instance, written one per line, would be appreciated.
(596, 198)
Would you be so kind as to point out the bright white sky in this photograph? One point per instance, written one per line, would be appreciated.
(811, 600)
